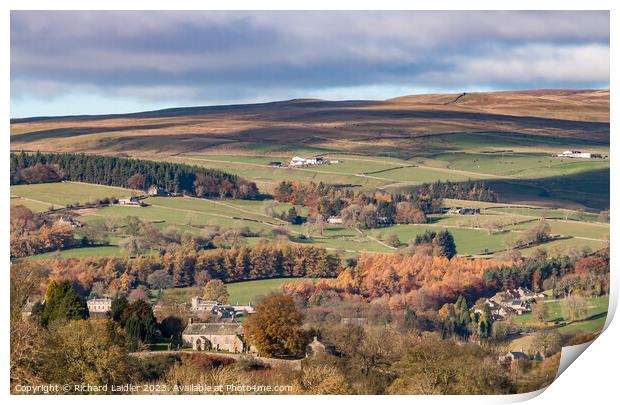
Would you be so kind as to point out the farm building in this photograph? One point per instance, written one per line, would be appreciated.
(200, 304)
(579, 154)
(354, 321)
(512, 356)
(27, 309)
(463, 211)
(130, 201)
(317, 347)
(99, 305)
(301, 161)
(335, 220)
(298, 161)
(242, 308)
(67, 220)
(511, 302)
(214, 336)
(155, 191)
(222, 311)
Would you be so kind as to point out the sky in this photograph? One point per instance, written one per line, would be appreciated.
(99, 62)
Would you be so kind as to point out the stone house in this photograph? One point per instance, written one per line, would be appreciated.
(335, 220)
(155, 191)
(130, 201)
(214, 336)
(200, 304)
(317, 347)
(513, 356)
(99, 305)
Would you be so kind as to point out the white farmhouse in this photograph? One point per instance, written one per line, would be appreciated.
(335, 220)
(99, 305)
(200, 304)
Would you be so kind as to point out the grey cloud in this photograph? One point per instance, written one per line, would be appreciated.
(194, 54)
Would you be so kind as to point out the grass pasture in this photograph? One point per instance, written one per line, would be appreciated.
(61, 194)
(242, 292)
(468, 241)
(83, 252)
(594, 320)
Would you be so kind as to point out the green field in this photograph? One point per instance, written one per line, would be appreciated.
(242, 292)
(94, 251)
(468, 241)
(592, 322)
(61, 194)
(245, 292)
(568, 192)
(193, 214)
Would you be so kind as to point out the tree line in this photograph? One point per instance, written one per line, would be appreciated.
(27, 168)
(588, 274)
(33, 233)
(369, 210)
(189, 266)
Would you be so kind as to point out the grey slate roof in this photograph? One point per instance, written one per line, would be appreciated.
(213, 329)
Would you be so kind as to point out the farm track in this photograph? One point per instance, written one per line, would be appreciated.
(208, 213)
(375, 239)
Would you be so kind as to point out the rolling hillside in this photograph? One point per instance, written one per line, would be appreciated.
(399, 127)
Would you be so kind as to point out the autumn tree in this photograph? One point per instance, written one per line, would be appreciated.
(321, 379)
(392, 240)
(592, 265)
(26, 277)
(540, 311)
(275, 327)
(29, 354)
(370, 350)
(432, 366)
(408, 213)
(574, 308)
(136, 181)
(159, 280)
(215, 290)
(137, 294)
(546, 342)
(90, 352)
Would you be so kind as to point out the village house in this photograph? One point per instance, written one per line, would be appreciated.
(512, 302)
(513, 356)
(99, 305)
(156, 191)
(130, 201)
(214, 336)
(67, 220)
(335, 220)
(200, 304)
(27, 309)
(354, 321)
(239, 309)
(221, 311)
(317, 347)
